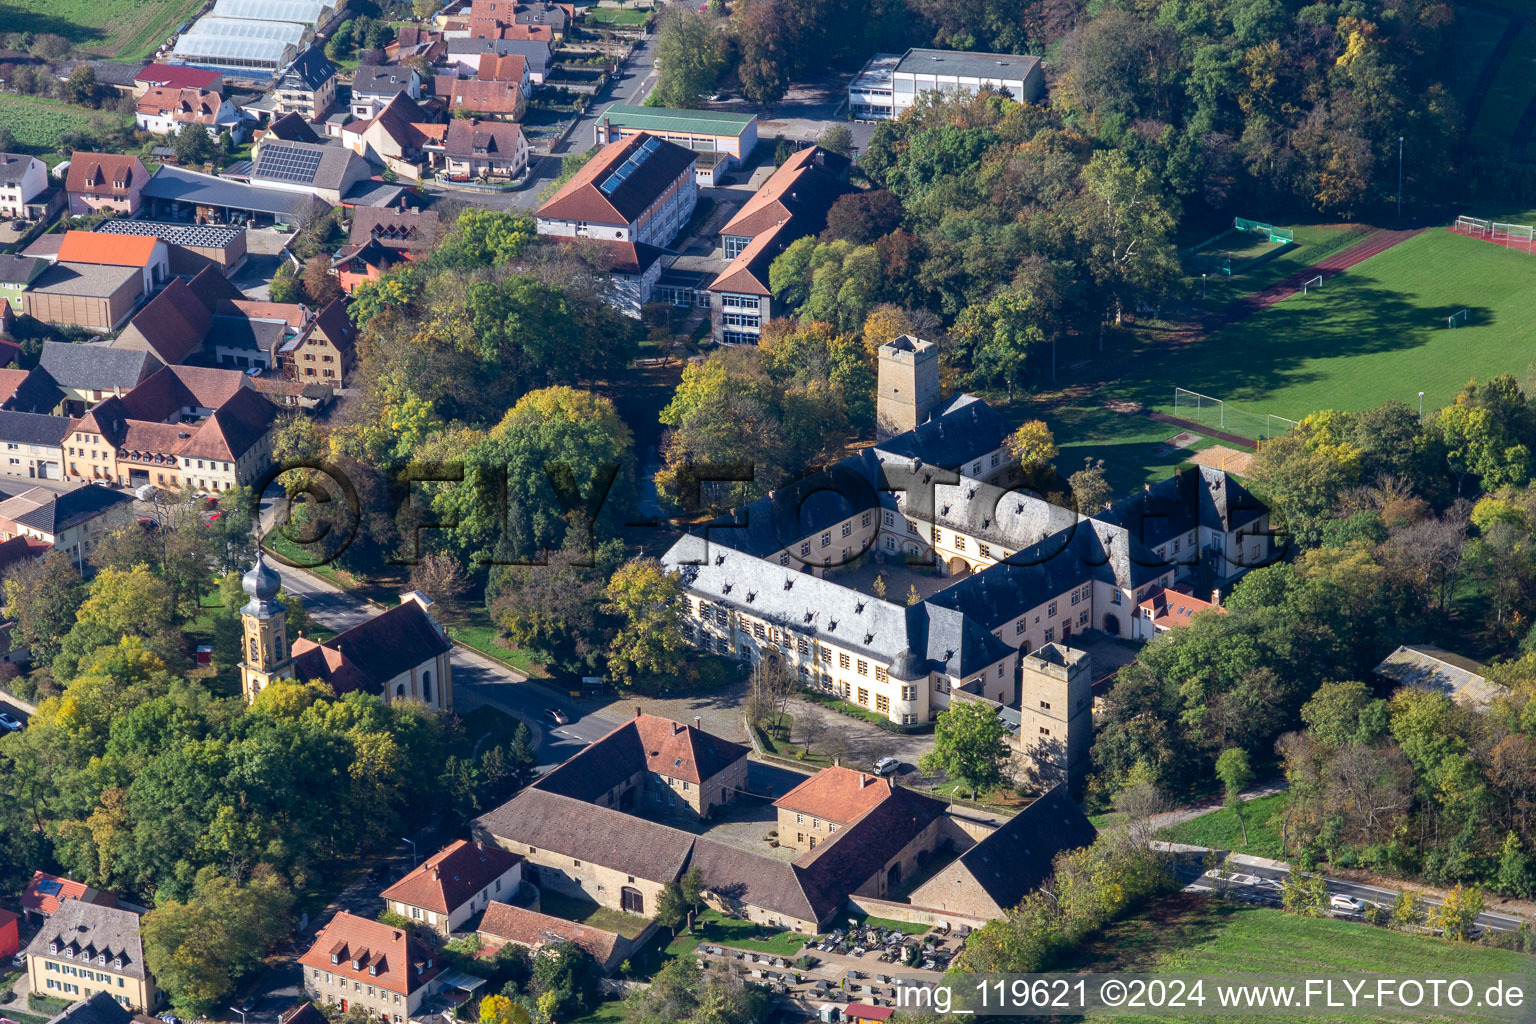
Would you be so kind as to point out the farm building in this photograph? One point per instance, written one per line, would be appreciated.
(237, 44)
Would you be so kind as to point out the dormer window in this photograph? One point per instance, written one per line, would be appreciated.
(117, 963)
(335, 958)
(101, 958)
(357, 963)
(373, 970)
(53, 947)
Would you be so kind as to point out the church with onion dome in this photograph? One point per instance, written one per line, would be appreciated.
(399, 654)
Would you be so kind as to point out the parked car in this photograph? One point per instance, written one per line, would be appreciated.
(8, 723)
(557, 716)
(1348, 904)
(887, 766)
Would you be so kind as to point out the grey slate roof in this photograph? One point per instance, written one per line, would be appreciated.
(1199, 496)
(243, 332)
(309, 71)
(279, 160)
(90, 929)
(13, 167)
(97, 367)
(379, 80)
(72, 508)
(963, 429)
(32, 428)
(534, 51)
(92, 280)
(100, 1008)
(1011, 863)
(19, 269)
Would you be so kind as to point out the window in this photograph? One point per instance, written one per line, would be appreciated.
(985, 549)
(847, 529)
(1050, 634)
(976, 468)
(1075, 597)
(863, 667)
(1050, 609)
(959, 543)
(1045, 705)
(805, 549)
(1018, 627)
(911, 526)
(826, 655)
(1044, 731)
(937, 535)
(995, 458)
(1175, 545)
(784, 558)
(842, 660)
(741, 319)
(864, 695)
(1114, 596)
(1082, 617)
(909, 693)
(890, 519)
(864, 520)
(803, 646)
(826, 538)
(880, 674)
(883, 704)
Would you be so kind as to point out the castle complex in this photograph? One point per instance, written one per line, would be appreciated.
(781, 578)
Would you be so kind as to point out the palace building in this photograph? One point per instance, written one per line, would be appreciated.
(785, 577)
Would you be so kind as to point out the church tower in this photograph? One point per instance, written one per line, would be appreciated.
(265, 649)
(907, 390)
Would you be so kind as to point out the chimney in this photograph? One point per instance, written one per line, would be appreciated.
(677, 727)
(698, 722)
(436, 873)
(637, 710)
(837, 762)
(865, 780)
(1216, 597)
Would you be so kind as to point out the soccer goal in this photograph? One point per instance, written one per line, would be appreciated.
(1274, 425)
(1316, 282)
(1198, 408)
(1284, 236)
(1474, 226)
(1458, 318)
(1512, 235)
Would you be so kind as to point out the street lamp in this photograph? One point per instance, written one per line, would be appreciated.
(1421, 407)
(1202, 287)
(1399, 177)
(413, 847)
(241, 1012)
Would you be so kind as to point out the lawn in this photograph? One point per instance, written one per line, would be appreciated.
(125, 29)
(717, 929)
(38, 123)
(617, 16)
(482, 637)
(609, 1012)
(1187, 933)
(1222, 831)
(775, 740)
(25, 1018)
(1375, 332)
(592, 914)
(885, 925)
(1314, 242)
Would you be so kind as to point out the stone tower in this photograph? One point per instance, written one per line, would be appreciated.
(1056, 713)
(265, 650)
(908, 388)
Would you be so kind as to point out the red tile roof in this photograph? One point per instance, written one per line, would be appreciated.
(836, 794)
(582, 198)
(373, 953)
(508, 67)
(294, 314)
(45, 893)
(481, 97)
(109, 249)
(198, 106)
(1168, 608)
(453, 876)
(800, 187)
(530, 928)
(178, 76)
(98, 174)
(863, 1011)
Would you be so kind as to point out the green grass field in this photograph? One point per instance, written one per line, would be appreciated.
(1313, 243)
(1222, 831)
(616, 16)
(592, 914)
(1375, 332)
(717, 929)
(38, 123)
(1186, 933)
(126, 29)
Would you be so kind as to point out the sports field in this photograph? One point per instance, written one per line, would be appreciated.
(1374, 332)
(1189, 934)
(125, 29)
(1313, 243)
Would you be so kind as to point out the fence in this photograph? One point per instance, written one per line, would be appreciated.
(1258, 227)
(1205, 410)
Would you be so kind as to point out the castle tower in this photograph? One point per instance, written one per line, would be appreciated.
(908, 387)
(265, 653)
(1056, 713)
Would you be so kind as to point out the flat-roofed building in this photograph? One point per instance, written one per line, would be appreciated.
(733, 136)
(890, 83)
(97, 297)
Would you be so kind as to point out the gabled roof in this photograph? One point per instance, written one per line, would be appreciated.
(179, 76)
(481, 97)
(305, 1013)
(335, 326)
(380, 80)
(372, 953)
(32, 390)
(97, 367)
(507, 67)
(45, 893)
(20, 269)
(836, 794)
(33, 428)
(14, 167)
(452, 876)
(804, 187)
(959, 432)
(305, 163)
(410, 229)
(196, 106)
(530, 928)
(1011, 863)
(291, 127)
(60, 511)
(372, 652)
(1168, 608)
(644, 743)
(100, 1008)
(309, 71)
(621, 181)
(109, 249)
(1426, 667)
(747, 274)
(633, 258)
(97, 174)
(171, 325)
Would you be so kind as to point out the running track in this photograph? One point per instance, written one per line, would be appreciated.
(1374, 244)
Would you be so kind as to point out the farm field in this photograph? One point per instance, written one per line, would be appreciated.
(1374, 332)
(1190, 934)
(38, 123)
(125, 29)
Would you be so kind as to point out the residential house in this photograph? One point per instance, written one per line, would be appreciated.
(165, 111)
(891, 83)
(364, 965)
(328, 172)
(323, 353)
(639, 189)
(732, 137)
(395, 138)
(84, 949)
(73, 522)
(827, 801)
(503, 923)
(499, 89)
(105, 183)
(1168, 608)
(307, 87)
(22, 179)
(556, 16)
(484, 149)
(454, 884)
(89, 373)
(45, 895)
(496, 30)
(145, 253)
(192, 247)
(94, 296)
(414, 41)
(174, 324)
(374, 86)
(185, 426)
(288, 127)
(400, 654)
(32, 390)
(176, 76)
(381, 237)
(467, 55)
(16, 275)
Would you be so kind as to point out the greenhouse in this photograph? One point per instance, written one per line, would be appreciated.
(236, 43)
(313, 13)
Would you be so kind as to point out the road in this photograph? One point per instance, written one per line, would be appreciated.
(1261, 883)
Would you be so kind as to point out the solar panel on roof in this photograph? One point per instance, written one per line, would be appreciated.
(283, 163)
(49, 887)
